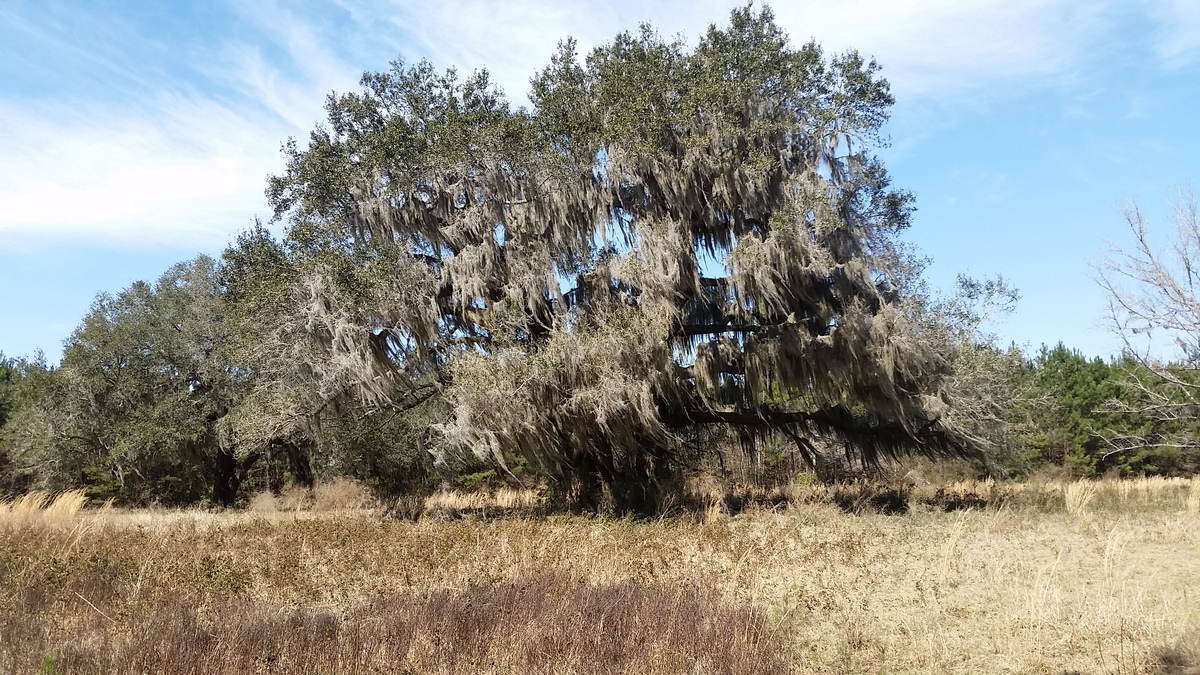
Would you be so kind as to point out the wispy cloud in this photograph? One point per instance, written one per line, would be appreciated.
(512, 40)
(171, 172)
(174, 154)
(938, 48)
(949, 49)
(180, 152)
(1179, 26)
(308, 63)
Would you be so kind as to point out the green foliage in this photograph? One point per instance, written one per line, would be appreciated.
(1156, 419)
(1056, 408)
(386, 449)
(131, 412)
(15, 381)
(1091, 419)
(10, 376)
(165, 395)
(1078, 390)
(670, 237)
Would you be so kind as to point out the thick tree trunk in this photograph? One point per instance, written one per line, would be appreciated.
(299, 464)
(585, 485)
(228, 475)
(225, 482)
(641, 485)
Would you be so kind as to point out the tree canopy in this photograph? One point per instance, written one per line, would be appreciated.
(668, 237)
(132, 410)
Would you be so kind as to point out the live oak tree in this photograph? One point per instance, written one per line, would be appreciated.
(669, 237)
(12, 376)
(161, 396)
(321, 425)
(134, 410)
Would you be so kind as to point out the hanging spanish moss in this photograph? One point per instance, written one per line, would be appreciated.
(668, 237)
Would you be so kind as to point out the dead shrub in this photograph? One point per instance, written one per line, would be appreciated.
(342, 494)
(1180, 658)
(339, 494)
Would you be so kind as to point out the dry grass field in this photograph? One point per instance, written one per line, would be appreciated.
(973, 578)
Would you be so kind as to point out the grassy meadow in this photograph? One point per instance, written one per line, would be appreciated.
(1040, 577)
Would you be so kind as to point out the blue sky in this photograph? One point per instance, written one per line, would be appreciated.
(139, 134)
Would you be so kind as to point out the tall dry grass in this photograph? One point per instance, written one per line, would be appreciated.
(43, 507)
(1018, 586)
(506, 499)
(539, 623)
(1078, 495)
(339, 494)
(1074, 497)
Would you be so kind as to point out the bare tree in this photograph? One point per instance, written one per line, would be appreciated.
(988, 388)
(1154, 307)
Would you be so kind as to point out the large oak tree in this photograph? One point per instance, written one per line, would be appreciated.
(669, 237)
(134, 410)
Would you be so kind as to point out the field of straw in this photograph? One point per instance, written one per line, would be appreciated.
(1056, 578)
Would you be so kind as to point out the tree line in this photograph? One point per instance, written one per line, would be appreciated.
(674, 252)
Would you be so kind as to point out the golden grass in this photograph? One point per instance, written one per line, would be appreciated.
(1031, 586)
(503, 498)
(1074, 497)
(26, 505)
(1077, 496)
(43, 507)
(339, 494)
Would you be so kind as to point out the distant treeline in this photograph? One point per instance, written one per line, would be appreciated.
(142, 407)
(672, 256)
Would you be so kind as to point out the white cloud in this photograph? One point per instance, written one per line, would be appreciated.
(158, 167)
(293, 90)
(174, 172)
(942, 48)
(512, 40)
(150, 166)
(1179, 25)
(947, 48)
